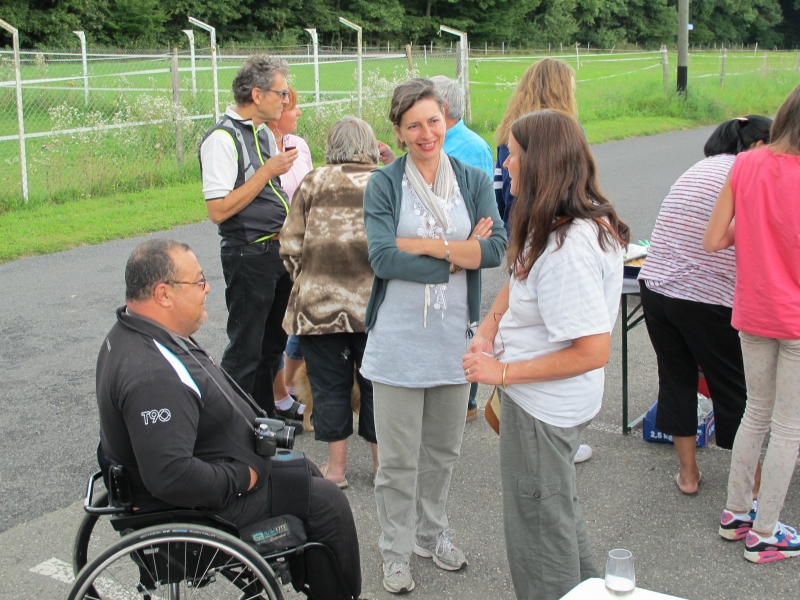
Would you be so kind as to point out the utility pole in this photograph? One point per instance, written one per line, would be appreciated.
(683, 45)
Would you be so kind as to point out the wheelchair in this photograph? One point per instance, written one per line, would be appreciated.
(179, 553)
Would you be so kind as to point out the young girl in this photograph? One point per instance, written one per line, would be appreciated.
(762, 192)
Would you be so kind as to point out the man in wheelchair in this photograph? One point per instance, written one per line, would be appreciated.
(184, 431)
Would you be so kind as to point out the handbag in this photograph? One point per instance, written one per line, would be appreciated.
(492, 411)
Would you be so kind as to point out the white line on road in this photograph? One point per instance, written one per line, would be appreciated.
(55, 569)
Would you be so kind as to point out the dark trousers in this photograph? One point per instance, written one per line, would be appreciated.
(329, 521)
(330, 361)
(256, 293)
(686, 335)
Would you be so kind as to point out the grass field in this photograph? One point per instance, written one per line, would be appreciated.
(73, 174)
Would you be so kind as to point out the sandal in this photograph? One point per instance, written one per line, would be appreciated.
(340, 484)
(678, 483)
(292, 413)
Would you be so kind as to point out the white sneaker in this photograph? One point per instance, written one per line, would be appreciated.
(444, 554)
(583, 454)
(397, 577)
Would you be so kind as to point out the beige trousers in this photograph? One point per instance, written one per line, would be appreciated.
(419, 433)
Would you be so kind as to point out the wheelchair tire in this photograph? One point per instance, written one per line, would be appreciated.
(177, 561)
(80, 547)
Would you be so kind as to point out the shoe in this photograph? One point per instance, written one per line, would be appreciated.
(783, 543)
(444, 554)
(733, 526)
(583, 454)
(340, 484)
(397, 577)
(472, 414)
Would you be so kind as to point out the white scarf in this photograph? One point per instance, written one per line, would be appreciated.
(443, 187)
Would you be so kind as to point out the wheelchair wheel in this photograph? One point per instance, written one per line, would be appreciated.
(175, 562)
(94, 535)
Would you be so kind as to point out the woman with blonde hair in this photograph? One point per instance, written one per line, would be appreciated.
(548, 83)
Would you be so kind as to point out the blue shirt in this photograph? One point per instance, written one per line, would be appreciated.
(468, 147)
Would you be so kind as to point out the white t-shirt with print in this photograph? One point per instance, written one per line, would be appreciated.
(571, 292)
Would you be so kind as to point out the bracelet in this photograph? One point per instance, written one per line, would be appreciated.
(503, 381)
(447, 255)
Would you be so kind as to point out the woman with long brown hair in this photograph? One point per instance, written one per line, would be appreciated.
(545, 343)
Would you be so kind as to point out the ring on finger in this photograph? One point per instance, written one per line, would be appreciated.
(466, 372)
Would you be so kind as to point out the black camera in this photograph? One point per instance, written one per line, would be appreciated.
(272, 434)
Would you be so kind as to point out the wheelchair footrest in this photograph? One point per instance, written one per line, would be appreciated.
(281, 569)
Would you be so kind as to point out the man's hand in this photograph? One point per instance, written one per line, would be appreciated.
(386, 153)
(280, 163)
(253, 479)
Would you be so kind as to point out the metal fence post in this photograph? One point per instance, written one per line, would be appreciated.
(82, 37)
(314, 40)
(176, 105)
(764, 66)
(665, 65)
(190, 34)
(724, 60)
(577, 56)
(464, 69)
(352, 25)
(212, 32)
(797, 64)
(23, 164)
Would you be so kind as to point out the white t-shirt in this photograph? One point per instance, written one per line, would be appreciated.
(571, 292)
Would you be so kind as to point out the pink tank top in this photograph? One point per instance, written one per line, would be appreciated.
(766, 191)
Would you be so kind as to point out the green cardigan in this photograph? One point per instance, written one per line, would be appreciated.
(382, 200)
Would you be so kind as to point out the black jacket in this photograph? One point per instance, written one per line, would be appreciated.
(164, 417)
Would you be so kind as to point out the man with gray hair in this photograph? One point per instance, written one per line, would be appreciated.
(461, 142)
(241, 166)
(468, 147)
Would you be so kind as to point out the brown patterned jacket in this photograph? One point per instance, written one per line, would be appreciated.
(324, 248)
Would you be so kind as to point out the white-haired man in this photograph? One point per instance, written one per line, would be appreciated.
(468, 147)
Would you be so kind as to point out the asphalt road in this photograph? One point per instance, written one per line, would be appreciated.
(55, 311)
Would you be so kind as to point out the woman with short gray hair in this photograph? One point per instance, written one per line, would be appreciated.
(324, 248)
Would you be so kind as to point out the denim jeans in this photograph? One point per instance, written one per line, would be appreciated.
(772, 371)
(256, 293)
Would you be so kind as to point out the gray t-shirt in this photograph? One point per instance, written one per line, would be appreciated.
(406, 347)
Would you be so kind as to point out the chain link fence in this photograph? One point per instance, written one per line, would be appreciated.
(115, 120)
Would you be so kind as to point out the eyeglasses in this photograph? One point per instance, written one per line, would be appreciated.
(497, 317)
(283, 94)
(202, 283)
